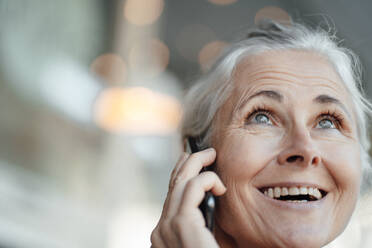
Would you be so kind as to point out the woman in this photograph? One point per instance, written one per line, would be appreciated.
(287, 126)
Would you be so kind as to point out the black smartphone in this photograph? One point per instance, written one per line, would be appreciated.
(208, 204)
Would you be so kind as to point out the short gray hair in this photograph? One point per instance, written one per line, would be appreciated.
(212, 89)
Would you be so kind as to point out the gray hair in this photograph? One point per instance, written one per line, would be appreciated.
(211, 90)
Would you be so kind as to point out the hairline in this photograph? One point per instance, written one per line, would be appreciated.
(343, 60)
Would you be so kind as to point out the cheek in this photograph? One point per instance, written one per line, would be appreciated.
(242, 156)
(344, 164)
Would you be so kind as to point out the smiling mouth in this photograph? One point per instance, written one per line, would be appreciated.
(294, 194)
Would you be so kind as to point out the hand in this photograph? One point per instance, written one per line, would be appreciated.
(181, 223)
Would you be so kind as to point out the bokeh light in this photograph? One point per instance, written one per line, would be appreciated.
(110, 67)
(209, 53)
(143, 12)
(191, 39)
(149, 58)
(137, 110)
(273, 13)
(222, 2)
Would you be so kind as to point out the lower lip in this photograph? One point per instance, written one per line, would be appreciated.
(310, 205)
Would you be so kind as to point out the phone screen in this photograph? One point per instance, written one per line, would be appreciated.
(207, 206)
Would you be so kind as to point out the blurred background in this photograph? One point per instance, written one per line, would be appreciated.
(91, 102)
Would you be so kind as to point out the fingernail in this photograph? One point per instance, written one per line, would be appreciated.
(225, 187)
(210, 149)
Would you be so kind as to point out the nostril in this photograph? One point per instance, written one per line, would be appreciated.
(295, 158)
(315, 160)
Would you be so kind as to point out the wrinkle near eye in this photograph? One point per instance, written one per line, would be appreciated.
(337, 117)
(333, 135)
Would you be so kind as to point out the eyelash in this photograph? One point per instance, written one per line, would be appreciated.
(260, 110)
(334, 116)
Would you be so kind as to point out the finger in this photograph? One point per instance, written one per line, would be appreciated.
(189, 169)
(196, 188)
(156, 240)
(175, 170)
(180, 162)
(193, 235)
(167, 234)
(195, 163)
(173, 200)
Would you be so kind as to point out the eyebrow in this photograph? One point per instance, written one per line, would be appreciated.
(321, 99)
(266, 93)
(325, 99)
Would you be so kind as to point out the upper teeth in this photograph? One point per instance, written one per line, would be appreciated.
(276, 192)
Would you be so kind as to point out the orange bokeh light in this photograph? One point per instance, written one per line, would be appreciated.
(110, 67)
(223, 2)
(137, 110)
(143, 12)
(273, 13)
(209, 53)
(149, 58)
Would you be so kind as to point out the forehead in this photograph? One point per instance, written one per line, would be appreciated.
(289, 71)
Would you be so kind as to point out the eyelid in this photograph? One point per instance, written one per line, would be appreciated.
(334, 116)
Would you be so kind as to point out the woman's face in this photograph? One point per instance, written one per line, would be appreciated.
(287, 131)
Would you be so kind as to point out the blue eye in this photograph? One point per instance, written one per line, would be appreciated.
(326, 124)
(259, 116)
(262, 118)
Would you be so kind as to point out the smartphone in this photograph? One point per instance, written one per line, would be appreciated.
(208, 204)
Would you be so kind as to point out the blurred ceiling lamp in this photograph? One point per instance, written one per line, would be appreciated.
(110, 67)
(222, 2)
(149, 58)
(209, 53)
(273, 13)
(191, 39)
(137, 110)
(143, 12)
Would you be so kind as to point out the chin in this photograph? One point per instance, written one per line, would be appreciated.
(304, 241)
(290, 235)
(307, 237)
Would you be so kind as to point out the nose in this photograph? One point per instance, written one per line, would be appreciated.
(299, 150)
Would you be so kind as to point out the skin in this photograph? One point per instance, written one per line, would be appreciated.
(252, 155)
(298, 142)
